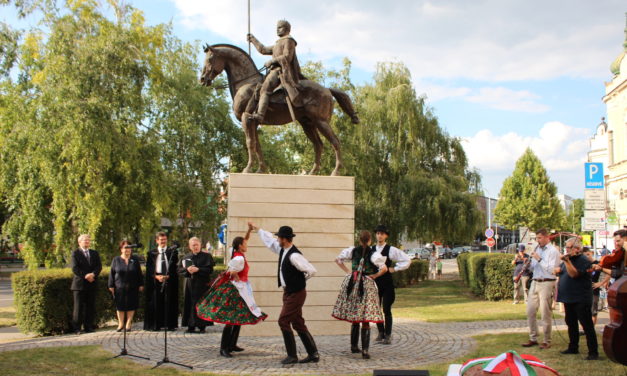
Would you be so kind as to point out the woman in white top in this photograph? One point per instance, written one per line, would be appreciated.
(230, 301)
(358, 300)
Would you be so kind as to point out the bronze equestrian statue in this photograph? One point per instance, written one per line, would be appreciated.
(284, 96)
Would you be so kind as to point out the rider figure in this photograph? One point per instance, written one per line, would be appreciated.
(284, 63)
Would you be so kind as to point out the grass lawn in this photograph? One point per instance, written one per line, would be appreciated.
(7, 316)
(451, 301)
(79, 360)
(566, 365)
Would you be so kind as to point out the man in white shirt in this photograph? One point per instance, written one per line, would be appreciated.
(385, 283)
(292, 274)
(544, 259)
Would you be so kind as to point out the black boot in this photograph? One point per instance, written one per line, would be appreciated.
(354, 338)
(225, 342)
(234, 337)
(310, 346)
(365, 342)
(290, 348)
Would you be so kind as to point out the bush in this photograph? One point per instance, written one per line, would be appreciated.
(462, 266)
(488, 275)
(498, 277)
(44, 302)
(417, 271)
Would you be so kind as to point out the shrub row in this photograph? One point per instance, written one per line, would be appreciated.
(417, 271)
(488, 275)
(44, 302)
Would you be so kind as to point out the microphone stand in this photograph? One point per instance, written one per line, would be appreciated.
(164, 288)
(123, 351)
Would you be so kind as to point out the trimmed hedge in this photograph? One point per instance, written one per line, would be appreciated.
(44, 302)
(417, 271)
(488, 275)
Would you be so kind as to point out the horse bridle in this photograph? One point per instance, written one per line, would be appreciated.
(226, 86)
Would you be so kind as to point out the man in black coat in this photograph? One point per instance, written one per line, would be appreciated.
(196, 267)
(161, 269)
(86, 267)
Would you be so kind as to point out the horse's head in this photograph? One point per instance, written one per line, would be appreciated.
(213, 65)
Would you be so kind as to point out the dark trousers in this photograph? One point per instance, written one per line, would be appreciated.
(386, 298)
(580, 312)
(292, 312)
(84, 309)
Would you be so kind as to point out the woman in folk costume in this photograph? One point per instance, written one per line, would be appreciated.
(230, 300)
(358, 301)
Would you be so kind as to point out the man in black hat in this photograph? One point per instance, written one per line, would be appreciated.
(293, 272)
(385, 283)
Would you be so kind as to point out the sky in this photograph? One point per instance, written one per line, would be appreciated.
(500, 75)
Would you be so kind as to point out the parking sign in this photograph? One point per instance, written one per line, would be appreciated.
(594, 175)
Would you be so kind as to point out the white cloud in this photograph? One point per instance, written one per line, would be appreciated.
(561, 148)
(485, 40)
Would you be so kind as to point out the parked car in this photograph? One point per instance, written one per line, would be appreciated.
(445, 253)
(413, 253)
(479, 248)
(425, 253)
(458, 251)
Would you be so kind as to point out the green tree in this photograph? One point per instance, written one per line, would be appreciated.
(528, 198)
(573, 219)
(104, 131)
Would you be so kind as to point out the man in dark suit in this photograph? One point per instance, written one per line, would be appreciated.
(196, 267)
(86, 267)
(161, 268)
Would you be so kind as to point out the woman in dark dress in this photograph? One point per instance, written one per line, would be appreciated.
(125, 283)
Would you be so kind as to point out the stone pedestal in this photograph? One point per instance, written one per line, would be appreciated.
(321, 210)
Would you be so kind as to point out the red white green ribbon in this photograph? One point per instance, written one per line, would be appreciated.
(519, 365)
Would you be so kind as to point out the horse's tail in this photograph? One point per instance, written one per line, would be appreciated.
(346, 104)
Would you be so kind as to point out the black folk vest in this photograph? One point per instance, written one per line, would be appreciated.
(369, 267)
(386, 279)
(294, 278)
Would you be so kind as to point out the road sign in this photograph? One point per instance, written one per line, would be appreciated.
(594, 175)
(612, 219)
(588, 224)
(222, 234)
(490, 242)
(489, 233)
(594, 199)
(596, 214)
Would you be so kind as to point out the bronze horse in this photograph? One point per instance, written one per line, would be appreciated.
(313, 116)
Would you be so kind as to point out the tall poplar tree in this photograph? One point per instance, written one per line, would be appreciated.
(528, 197)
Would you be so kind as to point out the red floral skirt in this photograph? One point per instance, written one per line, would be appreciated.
(224, 305)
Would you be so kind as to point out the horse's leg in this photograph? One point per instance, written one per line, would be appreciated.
(263, 169)
(312, 133)
(249, 129)
(327, 131)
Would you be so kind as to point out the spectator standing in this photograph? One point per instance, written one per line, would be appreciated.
(125, 282)
(439, 267)
(521, 274)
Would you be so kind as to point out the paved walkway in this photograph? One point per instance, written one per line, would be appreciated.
(414, 343)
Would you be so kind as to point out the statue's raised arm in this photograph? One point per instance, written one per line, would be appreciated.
(284, 63)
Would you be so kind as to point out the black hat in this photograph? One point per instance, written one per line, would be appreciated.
(382, 228)
(285, 232)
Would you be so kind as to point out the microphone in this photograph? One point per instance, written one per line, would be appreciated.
(132, 246)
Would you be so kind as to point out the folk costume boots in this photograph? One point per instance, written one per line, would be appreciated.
(365, 342)
(290, 347)
(234, 336)
(355, 339)
(310, 347)
(225, 342)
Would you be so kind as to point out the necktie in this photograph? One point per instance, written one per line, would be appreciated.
(86, 253)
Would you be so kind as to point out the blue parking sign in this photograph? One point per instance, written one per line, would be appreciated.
(594, 175)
